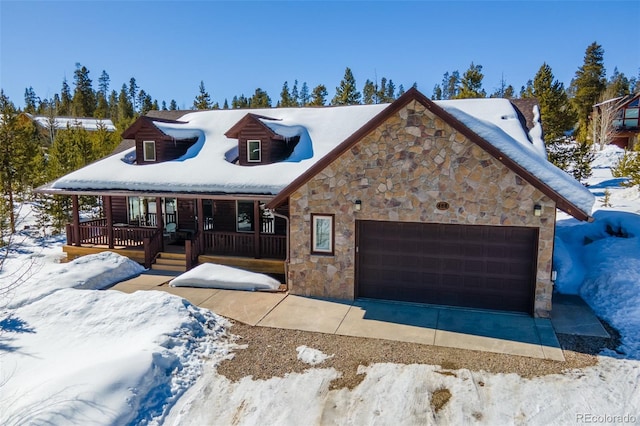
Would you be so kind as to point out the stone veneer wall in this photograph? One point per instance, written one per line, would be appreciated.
(399, 172)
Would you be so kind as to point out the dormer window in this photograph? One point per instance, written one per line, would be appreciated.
(149, 149)
(254, 151)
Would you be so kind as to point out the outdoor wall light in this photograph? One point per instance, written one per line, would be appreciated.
(357, 205)
(537, 210)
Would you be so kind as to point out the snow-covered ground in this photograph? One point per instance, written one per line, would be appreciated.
(72, 354)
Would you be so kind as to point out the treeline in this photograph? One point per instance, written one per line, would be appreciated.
(30, 157)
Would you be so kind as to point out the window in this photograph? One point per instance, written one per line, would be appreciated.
(322, 229)
(254, 151)
(245, 216)
(149, 148)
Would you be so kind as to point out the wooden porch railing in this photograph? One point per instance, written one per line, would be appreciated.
(152, 246)
(192, 250)
(97, 232)
(242, 244)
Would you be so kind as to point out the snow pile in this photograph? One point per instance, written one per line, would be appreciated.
(74, 355)
(608, 157)
(210, 275)
(311, 356)
(601, 262)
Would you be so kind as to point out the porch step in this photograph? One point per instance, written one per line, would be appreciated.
(170, 262)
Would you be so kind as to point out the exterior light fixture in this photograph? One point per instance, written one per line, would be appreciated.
(537, 210)
(357, 205)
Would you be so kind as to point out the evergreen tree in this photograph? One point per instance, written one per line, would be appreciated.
(31, 101)
(102, 105)
(285, 96)
(400, 90)
(155, 105)
(84, 98)
(346, 92)
(295, 96)
(504, 91)
(587, 86)
(304, 94)
(382, 91)
(113, 106)
(260, 99)
(226, 104)
(203, 100)
(164, 106)
(390, 94)
(557, 115)
(437, 93)
(173, 105)
(527, 91)
(368, 92)
(125, 108)
(133, 93)
(18, 149)
(471, 83)
(145, 102)
(65, 99)
(619, 84)
(103, 83)
(319, 96)
(450, 85)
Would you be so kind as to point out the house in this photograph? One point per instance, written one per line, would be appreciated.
(447, 202)
(49, 125)
(619, 121)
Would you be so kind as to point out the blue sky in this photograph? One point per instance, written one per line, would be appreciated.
(235, 47)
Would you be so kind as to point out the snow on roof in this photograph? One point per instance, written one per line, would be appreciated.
(490, 119)
(209, 171)
(205, 168)
(90, 124)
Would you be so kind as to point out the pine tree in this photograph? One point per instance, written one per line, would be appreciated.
(400, 90)
(260, 99)
(368, 92)
(382, 91)
(319, 96)
(587, 86)
(145, 102)
(133, 93)
(113, 106)
(471, 83)
(390, 94)
(65, 99)
(618, 84)
(295, 96)
(437, 93)
(555, 109)
(164, 106)
(31, 101)
(84, 98)
(173, 105)
(527, 91)
(102, 105)
(346, 92)
(285, 96)
(304, 94)
(450, 85)
(18, 149)
(557, 115)
(125, 108)
(203, 100)
(226, 104)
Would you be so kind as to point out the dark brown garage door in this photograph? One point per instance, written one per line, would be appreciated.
(488, 267)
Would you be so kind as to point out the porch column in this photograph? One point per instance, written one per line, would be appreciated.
(160, 220)
(109, 215)
(76, 220)
(256, 229)
(200, 224)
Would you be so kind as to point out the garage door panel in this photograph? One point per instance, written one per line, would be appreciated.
(462, 265)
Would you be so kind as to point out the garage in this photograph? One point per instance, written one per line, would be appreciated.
(475, 266)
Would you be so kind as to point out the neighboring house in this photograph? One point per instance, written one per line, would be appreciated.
(49, 125)
(447, 202)
(619, 120)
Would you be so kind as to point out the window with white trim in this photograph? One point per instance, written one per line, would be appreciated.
(254, 151)
(149, 149)
(322, 230)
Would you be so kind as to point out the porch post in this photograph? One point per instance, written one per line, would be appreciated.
(109, 214)
(200, 224)
(160, 220)
(76, 220)
(256, 229)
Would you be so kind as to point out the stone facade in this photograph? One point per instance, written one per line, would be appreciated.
(400, 171)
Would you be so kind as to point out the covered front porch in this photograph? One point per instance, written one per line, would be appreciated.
(216, 226)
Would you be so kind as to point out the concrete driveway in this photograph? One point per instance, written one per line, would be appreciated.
(498, 332)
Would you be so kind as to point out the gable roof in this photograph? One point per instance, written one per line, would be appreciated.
(149, 122)
(234, 131)
(570, 196)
